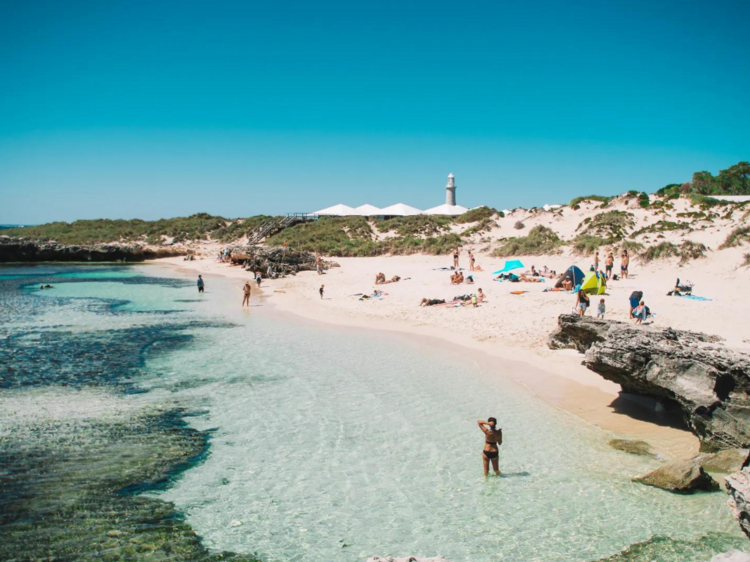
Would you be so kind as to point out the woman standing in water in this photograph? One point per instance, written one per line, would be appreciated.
(493, 438)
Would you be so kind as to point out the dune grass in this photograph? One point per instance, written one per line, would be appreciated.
(540, 240)
(417, 225)
(686, 251)
(611, 225)
(736, 237)
(478, 214)
(601, 198)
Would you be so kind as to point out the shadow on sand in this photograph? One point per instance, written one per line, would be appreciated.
(662, 412)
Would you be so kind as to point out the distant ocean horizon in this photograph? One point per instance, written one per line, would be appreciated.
(6, 226)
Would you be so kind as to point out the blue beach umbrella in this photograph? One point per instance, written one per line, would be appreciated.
(509, 266)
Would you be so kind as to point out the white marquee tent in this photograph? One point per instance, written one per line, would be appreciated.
(400, 210)
(368, 210)
(337, 210)
(445, 209)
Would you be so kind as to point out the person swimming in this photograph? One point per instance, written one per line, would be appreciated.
(493, 438)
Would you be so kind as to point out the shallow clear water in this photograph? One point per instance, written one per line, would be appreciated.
(336, 445)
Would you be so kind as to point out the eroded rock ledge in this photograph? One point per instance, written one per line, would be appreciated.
(709, 383)
(27, 250)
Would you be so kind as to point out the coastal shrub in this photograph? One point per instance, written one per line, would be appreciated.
(746, 260)
(540, 240)
(690, 250)
(631, 246)
(478, 214)
(333, 236)
(736, 237)
(662, 226)
(643, 200)
(519, 225)
(416, 225)
(587, 244)
(485, 225)
(613, 225)
(686, 251)
(660, 251)
(436, 245)
(602, 198)
(195, 227)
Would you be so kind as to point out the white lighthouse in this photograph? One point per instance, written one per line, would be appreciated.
(450, 191)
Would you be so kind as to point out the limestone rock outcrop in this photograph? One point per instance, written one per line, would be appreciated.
(28, 250)
(738, 487)
(281, 262)
(708, 382)
(682, 476)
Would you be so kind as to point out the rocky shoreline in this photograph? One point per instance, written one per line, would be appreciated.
(28, 250)
(691, 372)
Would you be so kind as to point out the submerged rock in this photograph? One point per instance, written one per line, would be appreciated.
(634, 447)
(708, 382)
(405, 559)
(660, 548)
(681, 476)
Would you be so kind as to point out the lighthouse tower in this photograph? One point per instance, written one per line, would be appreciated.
(450, 191)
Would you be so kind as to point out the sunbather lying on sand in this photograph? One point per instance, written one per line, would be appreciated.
(394, 279)
(528, 279)
(380, 278)
(431, 302)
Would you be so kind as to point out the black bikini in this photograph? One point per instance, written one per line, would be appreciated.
(490, 454)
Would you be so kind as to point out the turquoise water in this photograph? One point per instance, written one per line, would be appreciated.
(337, 445)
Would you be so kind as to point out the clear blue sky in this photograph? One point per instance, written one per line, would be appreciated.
(157, 108)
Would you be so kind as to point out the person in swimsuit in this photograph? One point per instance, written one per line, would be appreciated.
(493, 438)
(471, 261)
(321, 291)
(455, 258)
(248, 289)
(201, 284)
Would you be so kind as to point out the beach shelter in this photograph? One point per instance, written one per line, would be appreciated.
(574, 274)
(337, 211)
(445, 209)
(400, 210)
(594, 284)
(510, 265)
(368, 210)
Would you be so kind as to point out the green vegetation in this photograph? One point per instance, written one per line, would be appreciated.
(661, 226)
(519, 225)
(735, 180)
(746, 260)
(541, 240)
(417, 225)
(603, 198)
(631, 246)
(587, 244)
(484, 225)
(339, 236)
(643, 200)
(686, 251)
(478, 214)
(195, 227)
(736, 237)
(612, 225)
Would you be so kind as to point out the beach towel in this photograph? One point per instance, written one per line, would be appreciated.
(695, 298)
(518, 292)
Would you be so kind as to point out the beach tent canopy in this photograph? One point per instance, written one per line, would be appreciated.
(337, 210)
(594, 284)
(368, 210)
(574, 274)
(400, 210)
(510, 265)
(445, 209)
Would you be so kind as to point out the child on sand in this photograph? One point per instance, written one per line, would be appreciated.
(321, 291)
(600, 309)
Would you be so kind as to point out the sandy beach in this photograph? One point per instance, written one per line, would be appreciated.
(510, 329)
